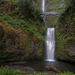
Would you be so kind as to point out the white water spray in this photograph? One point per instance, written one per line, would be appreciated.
(50, 44)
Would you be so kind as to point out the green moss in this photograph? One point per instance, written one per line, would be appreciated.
(23, 32)
(61, 47)
(65, 35)
(61, 42)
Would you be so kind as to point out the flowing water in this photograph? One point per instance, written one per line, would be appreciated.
(43, 6)
(43, 11)
(50, 44)
(50, 38)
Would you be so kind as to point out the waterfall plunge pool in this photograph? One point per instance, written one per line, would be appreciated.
(39, 66)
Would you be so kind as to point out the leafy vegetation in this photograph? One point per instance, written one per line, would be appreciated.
(22, 18)
(27, 17)
(28, 25)
(7, 71)
(27, 9)
(14, 1)
(25, 6)
(65, 34)
(66, 73)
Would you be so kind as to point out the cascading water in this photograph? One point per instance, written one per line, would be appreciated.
(50, 44)
(43, 11)
(50, 38)
(43, 6)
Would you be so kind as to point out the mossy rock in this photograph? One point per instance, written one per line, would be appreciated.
(65, 35)
(15, 44)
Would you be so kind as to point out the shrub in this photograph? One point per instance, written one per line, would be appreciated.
(25, 6)
(27, 9)
(7, 71)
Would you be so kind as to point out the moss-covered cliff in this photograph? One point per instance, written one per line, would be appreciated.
(21, 32)
(65, 34)
(16, 44)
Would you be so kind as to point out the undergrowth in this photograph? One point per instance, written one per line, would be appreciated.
(25, 16)
(66, 73)
(31, 26)
(7, 71)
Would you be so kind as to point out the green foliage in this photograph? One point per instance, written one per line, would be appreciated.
(61, 45)
(7, 71)
(67, 2)
(14, 1)
(26, 17)
(27, 9)
(69, 9)
(66, 73)
(26, 25)
(62, 1)
(36, 14)
(38, 74)
(37, 23)
(25, 5)
(62, 36)
(12, 20)
(65, 33)
(43, 31)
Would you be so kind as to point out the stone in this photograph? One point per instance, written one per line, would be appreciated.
(52, 68)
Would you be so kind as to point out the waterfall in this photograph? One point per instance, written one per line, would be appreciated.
(43, 6)
(50, 44)
(50, 38)
(43, 11)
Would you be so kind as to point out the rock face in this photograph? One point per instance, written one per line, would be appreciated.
(65, 35)
(52, 68)
(18, 45)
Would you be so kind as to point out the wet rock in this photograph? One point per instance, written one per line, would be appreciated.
(52, 68)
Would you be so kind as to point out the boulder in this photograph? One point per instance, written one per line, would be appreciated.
(52, 68)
